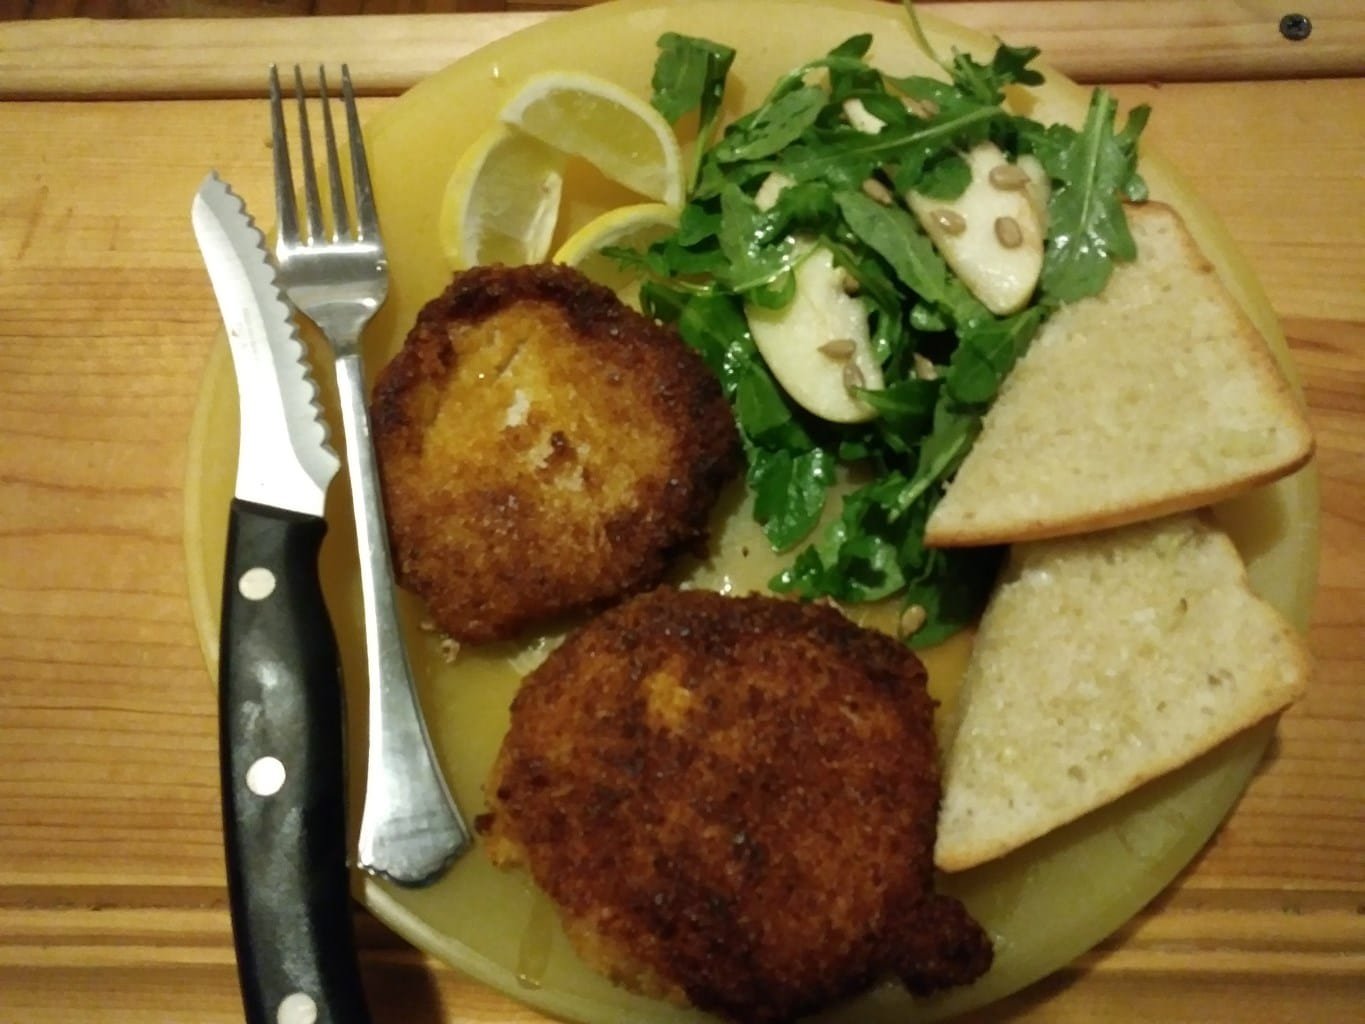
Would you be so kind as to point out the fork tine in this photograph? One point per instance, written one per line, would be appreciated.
(310, 175)
(366, 213)
(286, 214)
(341, 220)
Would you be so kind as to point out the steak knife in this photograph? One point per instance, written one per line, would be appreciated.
(281, 719)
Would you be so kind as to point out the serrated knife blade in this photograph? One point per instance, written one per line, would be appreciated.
(281, 718)
(276, 392)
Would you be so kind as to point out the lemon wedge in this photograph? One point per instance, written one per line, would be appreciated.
(633, 227)
(502, 200)
(612, 129)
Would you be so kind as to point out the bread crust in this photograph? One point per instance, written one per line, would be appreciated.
(1002, 492)
(543, 449)
(1104, 662)
(732, 801)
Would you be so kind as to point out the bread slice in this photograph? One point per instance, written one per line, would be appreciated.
(1103, 662)
(1156, 396)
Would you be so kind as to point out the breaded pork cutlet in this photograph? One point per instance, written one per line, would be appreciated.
(732, 801)
(543, 448)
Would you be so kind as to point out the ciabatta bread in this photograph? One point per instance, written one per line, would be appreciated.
(1156, 396)
(1102, 662)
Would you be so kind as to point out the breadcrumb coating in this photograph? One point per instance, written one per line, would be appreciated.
(543, 449)
(733, 801)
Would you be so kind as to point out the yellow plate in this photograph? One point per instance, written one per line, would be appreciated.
(1044, 905)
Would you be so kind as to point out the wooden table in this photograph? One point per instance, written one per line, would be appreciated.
(112, 902)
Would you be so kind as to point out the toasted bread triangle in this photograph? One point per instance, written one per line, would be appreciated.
(1102, 662)
(1156, 396)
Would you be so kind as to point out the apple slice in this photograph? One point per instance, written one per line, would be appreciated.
(818, 346)
(992, 234)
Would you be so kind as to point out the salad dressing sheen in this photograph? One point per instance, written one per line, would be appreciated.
(740, 562)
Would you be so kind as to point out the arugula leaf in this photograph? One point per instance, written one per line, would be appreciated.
(690, 74)
(854, 46)
(859, 149)
(771, 128)
(891, 233)
(952, 588)
(881, 104)
(872, 551)
(986, 352)
(753, 256)
(1134, 188)
(946, 176)
(926, 318)
(1092, 170)
(955, 429)
(905, 408)
(986, 82)
(711, 323)
(875, 284)
(856, 557)
(789, 490)
(763, 413)
(917, 33)
(807, 205)
(895, 235)
(789, 474)
(697, 224)
(844, 64)
(1010, 65)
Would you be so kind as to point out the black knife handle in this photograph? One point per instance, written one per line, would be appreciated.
(281, 737)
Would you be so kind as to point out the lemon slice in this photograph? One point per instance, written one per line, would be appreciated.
(612, 129)
(632, 227)
(502, 200)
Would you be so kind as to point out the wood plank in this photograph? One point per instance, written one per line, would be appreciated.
(1213, 957)
(1230, 931)
(1118, 40)
(112, 906)
(421, 994)
(14, 10)
(226, 57)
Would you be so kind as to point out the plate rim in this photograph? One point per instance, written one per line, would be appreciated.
(1231, 261)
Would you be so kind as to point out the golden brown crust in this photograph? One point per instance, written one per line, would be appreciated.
(734, 799)
(1060, 527)
(543, 449)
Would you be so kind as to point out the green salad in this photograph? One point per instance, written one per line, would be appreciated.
(832, 164)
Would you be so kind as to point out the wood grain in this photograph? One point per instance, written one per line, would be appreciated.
(1090, 40)
(15, 10)
(112, 908)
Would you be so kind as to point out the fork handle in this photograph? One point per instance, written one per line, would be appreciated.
(410, 830)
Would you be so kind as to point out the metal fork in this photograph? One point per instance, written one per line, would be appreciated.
(410, 830)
